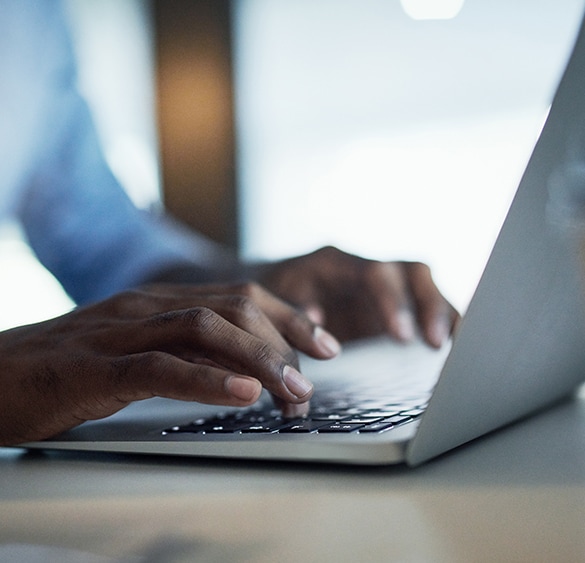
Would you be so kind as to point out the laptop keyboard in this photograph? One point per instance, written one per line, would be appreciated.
(329, 413)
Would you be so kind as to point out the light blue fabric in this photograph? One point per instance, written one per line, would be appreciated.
(54, 179)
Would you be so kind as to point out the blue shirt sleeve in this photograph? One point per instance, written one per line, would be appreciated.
(78, 219)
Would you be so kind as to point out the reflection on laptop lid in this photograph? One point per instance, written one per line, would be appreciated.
(521, 346)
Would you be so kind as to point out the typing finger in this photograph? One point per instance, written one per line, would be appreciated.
(204, 332)
(436, 316)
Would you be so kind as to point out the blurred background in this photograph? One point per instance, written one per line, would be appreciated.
(396, 129)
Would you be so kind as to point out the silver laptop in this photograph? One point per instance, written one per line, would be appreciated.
(520, 348)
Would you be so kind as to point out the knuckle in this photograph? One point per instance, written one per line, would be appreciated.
(419, 267)
(158, 362)
(372, 270)
(243, 305)
(329, 250)
(199, 318)
(328, 254)
(242, 310)
(162, 319)
(264, 355)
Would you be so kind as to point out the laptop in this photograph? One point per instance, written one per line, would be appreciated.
(520, 347)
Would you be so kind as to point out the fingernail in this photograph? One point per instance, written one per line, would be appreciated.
(243, 388)
(405, 326)
(294, 410)
(296, 383)
(326, 341)
(315, 314)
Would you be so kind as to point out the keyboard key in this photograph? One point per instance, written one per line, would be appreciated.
(399, 419)
(386, 424)
(221, 429)
(340, 427)
(329, 416)
(377, 427)
(264, 427)
(413, 412)
(381, 413)
(302, 426)
(341, 412)
(360, 420)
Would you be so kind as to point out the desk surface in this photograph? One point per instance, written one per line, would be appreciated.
(516, 495)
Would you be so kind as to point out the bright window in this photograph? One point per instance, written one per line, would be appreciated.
(391, 137)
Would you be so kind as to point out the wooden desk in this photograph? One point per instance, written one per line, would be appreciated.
(517, 495)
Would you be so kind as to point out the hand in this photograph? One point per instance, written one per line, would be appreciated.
(353, 297)
(212, 344)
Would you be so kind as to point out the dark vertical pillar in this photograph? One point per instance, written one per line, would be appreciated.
(196, 114)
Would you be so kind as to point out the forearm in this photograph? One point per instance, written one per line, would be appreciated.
(85, 230)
